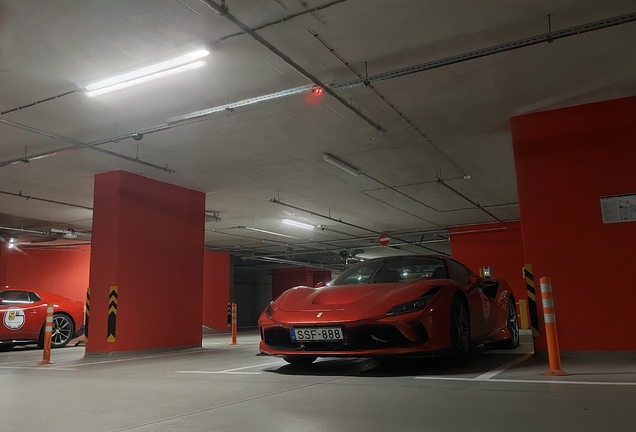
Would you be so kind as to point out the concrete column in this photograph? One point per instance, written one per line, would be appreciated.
(147, 241)
(565, 161)
(216, 289)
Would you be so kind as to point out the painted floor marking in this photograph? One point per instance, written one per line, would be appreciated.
(486, 376)
(234, 371)
(19, 362)
(498, 380)
(37, 368)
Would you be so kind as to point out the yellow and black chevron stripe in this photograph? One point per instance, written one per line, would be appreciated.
(532, 300)
(112, 313)
(229, 314)
(87, 313)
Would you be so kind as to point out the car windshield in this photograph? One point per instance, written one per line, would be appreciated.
(393, 269)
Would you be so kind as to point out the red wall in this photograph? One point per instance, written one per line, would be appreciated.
(286, 278)
(565, 160)
(148, 240)
(216, 289)
(502, 250)
(4, 253)
(62, 271)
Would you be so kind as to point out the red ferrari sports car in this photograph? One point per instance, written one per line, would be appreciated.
(401, 305)
(23, 313)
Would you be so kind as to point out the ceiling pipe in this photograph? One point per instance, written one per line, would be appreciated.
(366, 193)
(286, 18)
(386, 101)
(41, 101)
(222, 10)
(20, 230)
(336, 251)
(70, 233)
(275, 201)
(484, 52)
(292, 262)
(368, 237)
(492, 50)
(273, 242)
(86, 146)
(439, 180)
(29, 197)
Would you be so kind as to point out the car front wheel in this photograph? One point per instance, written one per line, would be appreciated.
(63, 330)
(460, 331)
(513, 328)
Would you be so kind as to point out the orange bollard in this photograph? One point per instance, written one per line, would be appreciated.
(48, 331)
(234, 315)
(554, 356)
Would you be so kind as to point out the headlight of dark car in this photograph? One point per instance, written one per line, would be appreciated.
(269, 310)
(413, 305)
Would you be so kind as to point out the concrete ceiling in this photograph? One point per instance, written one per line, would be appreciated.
(243, 158)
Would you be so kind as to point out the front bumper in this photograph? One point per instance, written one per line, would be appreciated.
(413, 334)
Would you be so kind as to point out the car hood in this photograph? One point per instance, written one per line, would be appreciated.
(342, 297)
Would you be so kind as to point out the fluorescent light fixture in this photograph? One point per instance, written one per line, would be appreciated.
(343, 166)
(270, 232)
(148, 73)
(298, 224)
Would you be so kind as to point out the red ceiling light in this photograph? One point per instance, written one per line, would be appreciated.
(318, 91)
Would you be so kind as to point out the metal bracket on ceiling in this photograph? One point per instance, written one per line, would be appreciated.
(550, 38)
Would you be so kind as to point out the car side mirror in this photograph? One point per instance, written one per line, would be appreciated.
(319, 284)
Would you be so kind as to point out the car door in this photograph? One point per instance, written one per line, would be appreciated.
(477, 301)
(22, 315)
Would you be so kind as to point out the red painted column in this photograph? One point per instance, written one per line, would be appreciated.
(286, 278)
(492, 245)
(148, 241)
(216, 289)
(565, 160)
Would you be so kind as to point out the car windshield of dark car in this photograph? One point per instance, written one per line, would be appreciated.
(393, 269)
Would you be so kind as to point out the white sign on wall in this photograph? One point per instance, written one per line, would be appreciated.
(618, 208)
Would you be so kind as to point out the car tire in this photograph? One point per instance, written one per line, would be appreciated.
(513, 328)
(460, 331)
(300, 360)
(63, 330)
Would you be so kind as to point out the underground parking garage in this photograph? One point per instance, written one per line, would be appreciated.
(317, 215)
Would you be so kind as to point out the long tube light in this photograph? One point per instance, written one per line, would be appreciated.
(343, 166)
(298, 224)
(149, 73)
(270, 232)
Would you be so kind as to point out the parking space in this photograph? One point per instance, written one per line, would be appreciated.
(221, 387)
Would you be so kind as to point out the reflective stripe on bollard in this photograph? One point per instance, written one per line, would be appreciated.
(554, 355)
(48, 331)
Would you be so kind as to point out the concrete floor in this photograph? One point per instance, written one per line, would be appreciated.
(228, 388)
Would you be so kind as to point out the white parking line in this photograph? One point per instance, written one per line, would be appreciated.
(18, 362)
(234, 371)
(502, 368)
(607, 383)
(219, 372)
(37, 368)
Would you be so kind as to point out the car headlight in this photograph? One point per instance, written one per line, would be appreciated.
(269, 310)
(414, 305)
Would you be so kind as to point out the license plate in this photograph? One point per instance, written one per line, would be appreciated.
(316, 334)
